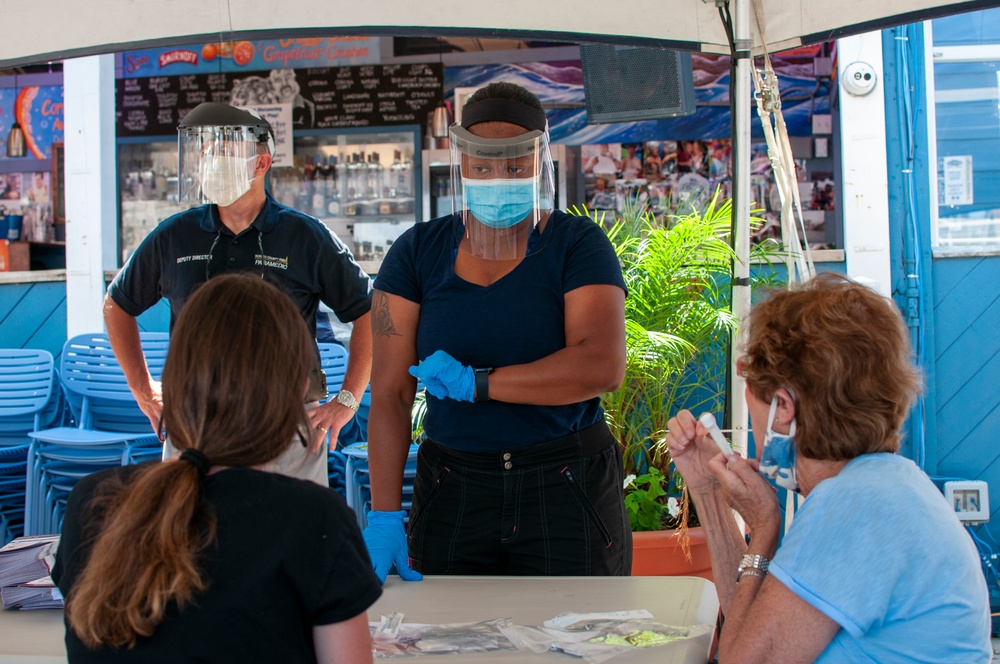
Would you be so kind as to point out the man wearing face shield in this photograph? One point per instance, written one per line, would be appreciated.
(224, 154)
(512, 316)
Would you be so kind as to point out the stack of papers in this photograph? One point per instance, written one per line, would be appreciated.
(25, 565)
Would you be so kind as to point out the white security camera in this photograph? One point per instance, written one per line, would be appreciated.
(858, 79)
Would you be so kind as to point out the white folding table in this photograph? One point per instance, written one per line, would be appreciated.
(36, 637)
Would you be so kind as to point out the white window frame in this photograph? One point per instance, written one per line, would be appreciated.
(940, 55)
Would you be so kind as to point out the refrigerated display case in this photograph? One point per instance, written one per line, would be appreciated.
(147, 189)
(361, 183)
(436, 177)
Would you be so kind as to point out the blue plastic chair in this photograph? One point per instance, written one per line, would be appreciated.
(333, 360)
(13, 467)
(337, 472)
(95, 385)
(359, 484)
(348, 462)
(29, 397)
(29, 401)
(111, 428)
(142, 450)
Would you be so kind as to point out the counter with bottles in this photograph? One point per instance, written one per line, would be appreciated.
(147, 190)
(361, 185)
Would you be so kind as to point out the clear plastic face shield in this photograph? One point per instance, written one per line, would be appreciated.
(503, 188)
(217, 164)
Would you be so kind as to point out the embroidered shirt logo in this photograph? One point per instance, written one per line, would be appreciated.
(193, 257)
(271, 261)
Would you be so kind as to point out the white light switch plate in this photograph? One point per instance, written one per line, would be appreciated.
(970, 499)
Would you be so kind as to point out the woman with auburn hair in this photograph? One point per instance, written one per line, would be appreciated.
(875, 567)
(204, 557)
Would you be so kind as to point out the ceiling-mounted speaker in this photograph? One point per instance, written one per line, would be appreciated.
(628, 83)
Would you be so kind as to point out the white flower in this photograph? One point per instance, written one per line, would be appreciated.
(673, 507)
(628, 481)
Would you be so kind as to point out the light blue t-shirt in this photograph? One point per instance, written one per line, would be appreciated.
(879, 551)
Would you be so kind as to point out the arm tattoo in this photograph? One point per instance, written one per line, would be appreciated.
(382, 325)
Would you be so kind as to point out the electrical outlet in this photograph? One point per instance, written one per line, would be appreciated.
(970, 499)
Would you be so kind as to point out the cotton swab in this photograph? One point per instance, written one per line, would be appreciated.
(708, 421)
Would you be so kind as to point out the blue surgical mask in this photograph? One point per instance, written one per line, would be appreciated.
(501, 203)
(777, 460)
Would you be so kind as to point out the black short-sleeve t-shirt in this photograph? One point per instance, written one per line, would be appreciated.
(516, 320)
(294, 251)
(288, 556)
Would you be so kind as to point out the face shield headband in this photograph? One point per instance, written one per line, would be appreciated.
(503, 110)
(503, 188)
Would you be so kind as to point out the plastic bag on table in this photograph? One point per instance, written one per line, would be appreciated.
(394, 638)
(598, 637)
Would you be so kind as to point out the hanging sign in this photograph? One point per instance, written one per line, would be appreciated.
(236, 56)
(280, 118)
(39, 111)
(957, 180)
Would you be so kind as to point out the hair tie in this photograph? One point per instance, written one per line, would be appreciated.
(196, 459)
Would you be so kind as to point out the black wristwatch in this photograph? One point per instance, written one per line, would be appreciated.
(483, 383)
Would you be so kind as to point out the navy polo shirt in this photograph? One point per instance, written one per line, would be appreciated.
(294, 251)
(516, 320)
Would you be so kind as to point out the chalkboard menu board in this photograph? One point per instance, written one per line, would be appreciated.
(322, 98)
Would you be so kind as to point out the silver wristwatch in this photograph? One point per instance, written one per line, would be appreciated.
(752, 564)
(345, 398)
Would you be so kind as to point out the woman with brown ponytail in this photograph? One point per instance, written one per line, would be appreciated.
(204, 557)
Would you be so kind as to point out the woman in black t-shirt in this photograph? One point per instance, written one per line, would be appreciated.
(206, 558)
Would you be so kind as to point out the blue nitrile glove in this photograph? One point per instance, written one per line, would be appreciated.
(385, 538)
(444, 376)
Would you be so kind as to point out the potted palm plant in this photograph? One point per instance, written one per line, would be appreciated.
(678, 329)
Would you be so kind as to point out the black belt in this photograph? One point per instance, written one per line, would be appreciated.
(584, 443)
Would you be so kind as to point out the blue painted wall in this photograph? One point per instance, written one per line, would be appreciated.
(967, 371)
(952, 303)
(33, 315)
(156, 318)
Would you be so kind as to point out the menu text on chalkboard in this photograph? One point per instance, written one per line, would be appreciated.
(321, 98)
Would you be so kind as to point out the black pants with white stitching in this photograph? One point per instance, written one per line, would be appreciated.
(551, 509)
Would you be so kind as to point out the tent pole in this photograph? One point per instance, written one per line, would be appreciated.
(740, 109)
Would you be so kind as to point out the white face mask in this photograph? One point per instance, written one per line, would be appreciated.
(224, 179)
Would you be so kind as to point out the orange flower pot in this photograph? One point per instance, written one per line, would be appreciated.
(661, 553)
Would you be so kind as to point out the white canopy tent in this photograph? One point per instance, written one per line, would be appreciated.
(45, 30)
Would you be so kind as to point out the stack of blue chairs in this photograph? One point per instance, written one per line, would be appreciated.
(13, 465)
(142, 450)
(356, 431)
(333, 359)
(29, 400)
(348, 460)
(111, 429)
(359, 486)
